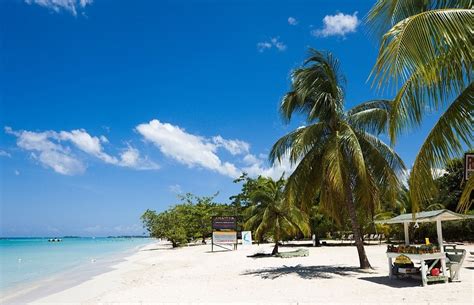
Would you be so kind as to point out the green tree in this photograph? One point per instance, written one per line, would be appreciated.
(198, 212)
(269, 213)
(450, 185)
(426, 55)
(169, 224)
(339, 156)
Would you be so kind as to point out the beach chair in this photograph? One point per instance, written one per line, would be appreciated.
(456, 258)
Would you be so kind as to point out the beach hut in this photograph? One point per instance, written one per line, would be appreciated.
(429, 216)
(437, 216)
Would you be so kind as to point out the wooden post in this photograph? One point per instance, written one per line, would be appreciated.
(424, 279)
(407, 237)
(439, 229)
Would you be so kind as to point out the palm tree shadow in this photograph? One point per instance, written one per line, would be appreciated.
(305, 272)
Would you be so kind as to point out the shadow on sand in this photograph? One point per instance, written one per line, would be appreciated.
(305, 272)
(395, 283)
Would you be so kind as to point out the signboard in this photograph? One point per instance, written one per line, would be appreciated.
(468, 165)
(224, 223)
(246, 238)
(224, 237)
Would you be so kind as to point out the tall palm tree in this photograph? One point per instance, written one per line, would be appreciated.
(270, 213)
(340, 158)
(426, 55)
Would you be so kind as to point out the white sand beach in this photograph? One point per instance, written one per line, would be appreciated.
(157, 274)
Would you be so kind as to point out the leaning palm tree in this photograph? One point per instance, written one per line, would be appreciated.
(270, 213)
(426, 55)
(338, 154)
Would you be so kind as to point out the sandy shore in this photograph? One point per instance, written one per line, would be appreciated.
(157, 274)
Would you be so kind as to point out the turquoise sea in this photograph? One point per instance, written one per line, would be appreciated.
(24, 260)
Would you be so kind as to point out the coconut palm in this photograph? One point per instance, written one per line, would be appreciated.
(270, 213)
(426, 55)
(338, 154)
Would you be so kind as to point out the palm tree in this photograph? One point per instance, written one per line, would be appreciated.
(426, 55)
(270, 213)
(338, 154)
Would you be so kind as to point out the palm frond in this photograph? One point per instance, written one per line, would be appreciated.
(371, 116)
(386, 13)
(384, 163)
(418, 40)
(444, 141)
(466, 200)
(305, 181)
(428, 87)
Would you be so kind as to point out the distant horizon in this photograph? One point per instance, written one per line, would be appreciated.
(67, 236)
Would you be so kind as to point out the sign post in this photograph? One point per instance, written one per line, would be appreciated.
(224, 232)
(246, 238)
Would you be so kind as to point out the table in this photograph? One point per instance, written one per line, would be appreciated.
(439, 256)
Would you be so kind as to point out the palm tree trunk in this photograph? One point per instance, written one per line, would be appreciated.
(276, 237)
(275, 248)
(363, 260)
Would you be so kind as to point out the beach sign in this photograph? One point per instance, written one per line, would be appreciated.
(224, 232)
(246, 238)
(468, 165)
(224, 223)
(224, 237)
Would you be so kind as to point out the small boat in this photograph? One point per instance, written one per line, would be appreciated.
(53, 240)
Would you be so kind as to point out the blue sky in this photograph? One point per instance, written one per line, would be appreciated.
(108, 108)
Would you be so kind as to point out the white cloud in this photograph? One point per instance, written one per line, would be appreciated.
(259, 166)
(48, 153)
(435, 172)
(49, 149)
(130, 157)
(186, 148)
(72, 6)
(278, 44)
(292, 21)
(4, 154)
(175, 188)
(103, 139)
(274, 42)
(88, 144)
(338, 25)
(134, 229)
(235, 147)
(94, 229)
(262, 46)
(17, 172)
(438, 172)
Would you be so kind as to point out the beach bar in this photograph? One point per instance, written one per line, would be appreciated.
(422, 253)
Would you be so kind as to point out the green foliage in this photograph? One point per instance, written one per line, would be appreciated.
(341, 160)
(269, 213)
(426, 55)
(185, 222)
(450, 185)
(169, 224)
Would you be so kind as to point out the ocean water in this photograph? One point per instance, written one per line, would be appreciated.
(24, 260)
